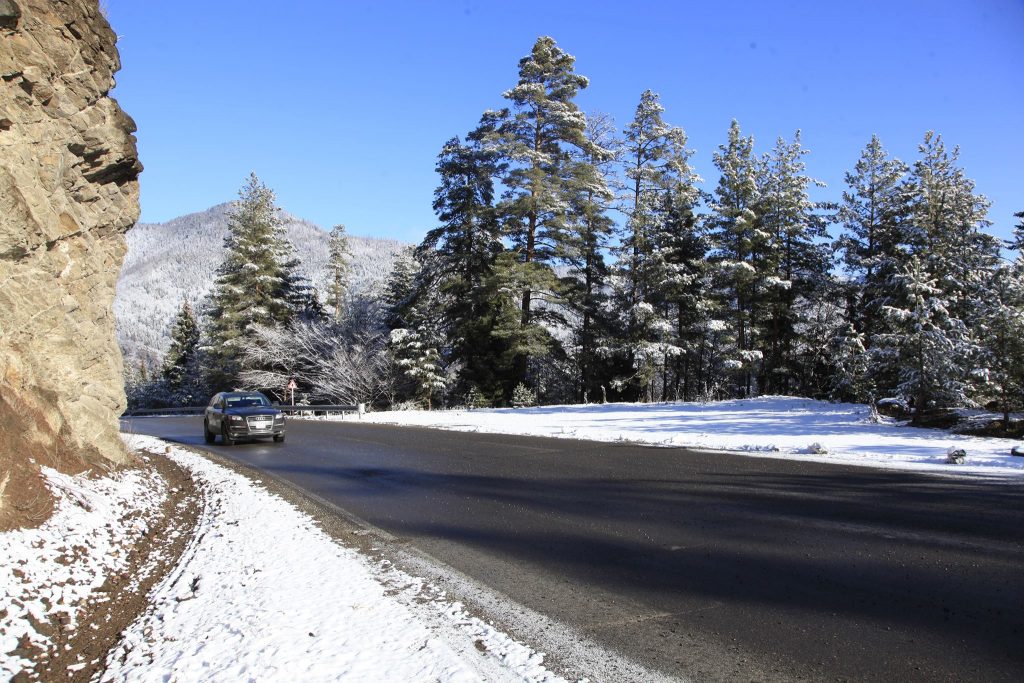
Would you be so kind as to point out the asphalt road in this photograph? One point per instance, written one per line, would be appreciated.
(698, 565)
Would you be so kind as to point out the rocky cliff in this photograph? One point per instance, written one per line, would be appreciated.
(68, 192)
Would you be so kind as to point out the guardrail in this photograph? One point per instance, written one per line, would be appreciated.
(359, 408)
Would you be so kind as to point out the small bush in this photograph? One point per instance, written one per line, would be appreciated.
(523, 397)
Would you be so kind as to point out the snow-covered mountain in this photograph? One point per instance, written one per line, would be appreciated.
(177, 260)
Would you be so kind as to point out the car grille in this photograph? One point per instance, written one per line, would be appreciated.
(261, 423)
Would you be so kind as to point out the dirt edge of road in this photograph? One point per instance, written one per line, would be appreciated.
(81, 654)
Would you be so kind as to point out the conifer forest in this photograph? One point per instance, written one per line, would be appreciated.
(579, 260)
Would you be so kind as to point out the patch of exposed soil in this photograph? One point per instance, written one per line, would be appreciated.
(81, 654)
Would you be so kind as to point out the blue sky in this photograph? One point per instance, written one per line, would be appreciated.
(341, 107)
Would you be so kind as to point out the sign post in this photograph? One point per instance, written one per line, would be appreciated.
(291, 389)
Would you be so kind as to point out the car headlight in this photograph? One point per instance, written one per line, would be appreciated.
(237, 418)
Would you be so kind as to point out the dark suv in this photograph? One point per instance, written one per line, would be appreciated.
(239, 415)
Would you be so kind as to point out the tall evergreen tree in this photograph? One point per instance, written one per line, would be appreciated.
(874, 213)
(465, 246)
(794, 265)
(738, 245)
(590, 231)
(182, 369)
(660, 182)
(1001, 332)
(338, 259)
(256, 282)
(949, 220)
(930, 344)
(679, 265)
(537, 136)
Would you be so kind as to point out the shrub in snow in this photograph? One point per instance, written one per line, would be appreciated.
(475, 399)
(523, 396)
(817, 449)
(956, 456)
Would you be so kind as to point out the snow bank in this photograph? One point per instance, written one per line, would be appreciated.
(770, 426)
(50, 572)
(263, 594)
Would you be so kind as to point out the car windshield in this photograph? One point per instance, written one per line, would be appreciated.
(247, 401)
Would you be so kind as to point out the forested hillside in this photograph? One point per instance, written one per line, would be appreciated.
(169, 263)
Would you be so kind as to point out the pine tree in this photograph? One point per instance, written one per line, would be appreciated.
(738, 244)
(793, 266)
(420, 362)
(182, 368)
(680, 266)
(874, 215)
(930, 344)
(537, 137)
(1001, 332)
(948, 219)
(462, 252)
(661, 187)
(338, 263)
(1018, 233)
(587, 240)
(256, 283)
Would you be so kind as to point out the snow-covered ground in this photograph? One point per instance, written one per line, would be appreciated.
(51, 571)
(770, 426)
(260, 593)
(263, 594)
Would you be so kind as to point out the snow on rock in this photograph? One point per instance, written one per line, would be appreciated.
(263, 594)
(50, 572)
(769, 426)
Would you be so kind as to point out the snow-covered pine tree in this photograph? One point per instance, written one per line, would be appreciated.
(794, 264)
(738, 243)
(463, 249)
(1001, 334)
(679, 260)
(400, 290)
(949, 219)
(537, 136)
(931, 346)
(338, 263)
(589, 232)
(656, 167)
(182, 368)
(874, 215)
(256, 283)
(1018, 233)
(420, 362)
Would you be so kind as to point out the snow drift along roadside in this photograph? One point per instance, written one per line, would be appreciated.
(262, 593)
(769, 426)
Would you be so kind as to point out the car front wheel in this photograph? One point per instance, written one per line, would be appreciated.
(225, 436)
(278, 438)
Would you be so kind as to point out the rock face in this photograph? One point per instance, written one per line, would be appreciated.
(68, 193)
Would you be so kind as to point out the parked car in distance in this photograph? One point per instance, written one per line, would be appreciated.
(236, 415)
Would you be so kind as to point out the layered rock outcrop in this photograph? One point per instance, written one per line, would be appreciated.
(68, 192)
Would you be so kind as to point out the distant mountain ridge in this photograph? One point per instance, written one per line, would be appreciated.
(178, 259)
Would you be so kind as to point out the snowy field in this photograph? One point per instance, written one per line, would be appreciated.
(770, 426)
